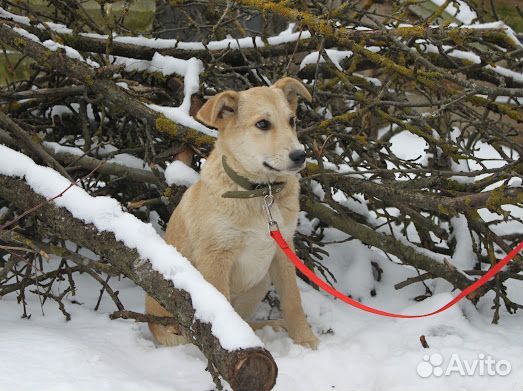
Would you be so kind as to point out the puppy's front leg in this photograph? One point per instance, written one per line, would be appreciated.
(283, 275)
(215, 266)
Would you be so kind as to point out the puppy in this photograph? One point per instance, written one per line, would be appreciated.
(222, 228)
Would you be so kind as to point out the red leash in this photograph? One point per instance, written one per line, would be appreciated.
(275, 233)
(278, 238)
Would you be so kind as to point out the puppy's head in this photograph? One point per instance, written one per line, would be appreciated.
(258, 127)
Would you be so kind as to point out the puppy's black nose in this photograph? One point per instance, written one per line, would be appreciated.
(297, 156)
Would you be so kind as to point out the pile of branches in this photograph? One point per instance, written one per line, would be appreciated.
(375, 70)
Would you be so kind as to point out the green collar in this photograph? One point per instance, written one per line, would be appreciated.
(251, 189)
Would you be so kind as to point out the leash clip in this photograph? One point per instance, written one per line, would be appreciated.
(268, 201)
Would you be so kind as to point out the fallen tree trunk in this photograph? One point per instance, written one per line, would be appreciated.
(244, 369)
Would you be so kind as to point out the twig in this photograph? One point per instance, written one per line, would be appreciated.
(143, 318)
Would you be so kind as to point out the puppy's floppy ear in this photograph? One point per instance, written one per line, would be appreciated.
(291, 89)
(218, 110)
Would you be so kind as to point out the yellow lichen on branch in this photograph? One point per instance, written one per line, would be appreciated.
(169, 127)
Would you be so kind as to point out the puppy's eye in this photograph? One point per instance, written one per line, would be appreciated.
(292, 122)
(263, 124)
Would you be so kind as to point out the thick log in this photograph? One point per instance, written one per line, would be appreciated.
(244, 369)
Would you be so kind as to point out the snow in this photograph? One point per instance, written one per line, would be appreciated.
(471, 57)
(288, 30)
(62, 109)
(408, 146)
(180, 174)
(355, 203)
(176, 114)
(496, 25)
(464, 257)
(358, 272)
(54, 46)
(491, 158)
(504, 227)
(191, 82)
(106, 214)
(15, 18)
(91, 352)
(516, 76)
(128, 160)
(167, 65)
(57, 148)
(26, 34)
(227, 43)
(124, 159)
(463, 13)
(336, 57)
(459, 165)
(69, 52)
(59, 28)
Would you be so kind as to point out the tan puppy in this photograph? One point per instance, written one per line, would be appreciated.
(226, 239)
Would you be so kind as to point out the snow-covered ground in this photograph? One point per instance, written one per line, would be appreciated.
(358, 351)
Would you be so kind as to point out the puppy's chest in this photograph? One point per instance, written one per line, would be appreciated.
(258, 250)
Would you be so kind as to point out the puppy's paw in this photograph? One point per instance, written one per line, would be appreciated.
(305, 337)
(276, 324)
(311, 343)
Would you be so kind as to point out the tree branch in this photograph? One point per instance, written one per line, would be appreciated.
(116, 98)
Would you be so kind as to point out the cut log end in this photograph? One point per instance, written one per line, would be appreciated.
(254, 370)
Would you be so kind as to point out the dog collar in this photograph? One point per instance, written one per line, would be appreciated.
(251, 189)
